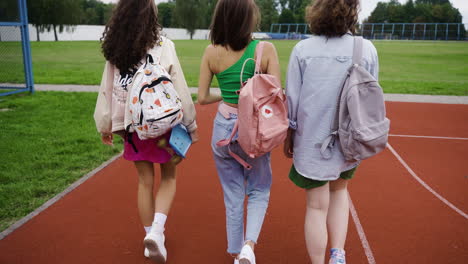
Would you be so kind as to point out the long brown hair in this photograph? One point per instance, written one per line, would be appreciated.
(132, 30)
(333, 18)
(233, 23)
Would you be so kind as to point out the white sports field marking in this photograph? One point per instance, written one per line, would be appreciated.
(360, 230)
(413, 136)
(425, 184)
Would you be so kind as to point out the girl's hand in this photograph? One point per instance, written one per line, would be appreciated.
(194, 136)
(289, 145)
(107, 139)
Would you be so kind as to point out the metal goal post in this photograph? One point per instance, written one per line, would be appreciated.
(16, 72)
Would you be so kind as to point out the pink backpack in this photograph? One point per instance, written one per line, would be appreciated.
(262, 114)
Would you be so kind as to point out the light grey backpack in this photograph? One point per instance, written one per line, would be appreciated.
(360, 121)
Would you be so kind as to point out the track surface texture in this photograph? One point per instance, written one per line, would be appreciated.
(396, 218)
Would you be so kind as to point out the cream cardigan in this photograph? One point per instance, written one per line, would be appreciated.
(109, 114)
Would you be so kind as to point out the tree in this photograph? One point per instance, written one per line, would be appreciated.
(379, 14)
(396, 12)
(432, 2)
(54, 15)
(61, 15)
(421, 11)
(165, 13)
(286, 16)
(297, 7)
(94, 12)
(300, 12)
(269, 13)
(208, 12)
(409, 10)
(36, 16)
(9, 10)
(190, 14)
(107, 12)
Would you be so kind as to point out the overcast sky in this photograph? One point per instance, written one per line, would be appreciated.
(368, 5)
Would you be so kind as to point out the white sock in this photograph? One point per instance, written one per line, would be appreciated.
(159, 220)
(147, 229)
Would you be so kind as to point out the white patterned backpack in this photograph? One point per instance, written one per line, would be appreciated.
(153, 104)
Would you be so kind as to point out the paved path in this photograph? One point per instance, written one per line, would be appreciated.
(412, 98)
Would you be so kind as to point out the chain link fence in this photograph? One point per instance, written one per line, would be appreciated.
(11, 57)
(423, 31)
(389, 31)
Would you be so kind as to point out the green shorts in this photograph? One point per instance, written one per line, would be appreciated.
(307, 183)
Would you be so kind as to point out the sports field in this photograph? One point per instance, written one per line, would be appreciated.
(51, 142)
(414, 67)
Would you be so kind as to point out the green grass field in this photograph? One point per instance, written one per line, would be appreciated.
(48, 141)
(405, 67)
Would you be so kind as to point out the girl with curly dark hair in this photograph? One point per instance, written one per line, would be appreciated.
(316, 71)
(132, 32)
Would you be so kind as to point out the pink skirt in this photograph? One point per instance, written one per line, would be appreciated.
(148, 150)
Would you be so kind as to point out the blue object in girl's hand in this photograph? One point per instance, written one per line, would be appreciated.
(180, 140)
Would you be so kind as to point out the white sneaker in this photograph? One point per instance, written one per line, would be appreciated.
(236, 261)
(154, 242)
(146, 253)
(246, 255)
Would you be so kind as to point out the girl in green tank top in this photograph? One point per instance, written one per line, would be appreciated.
(231, 37)
(229, 79)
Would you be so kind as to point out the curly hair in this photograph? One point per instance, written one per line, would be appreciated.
(233, 23)
(332, 18)
(132, 30)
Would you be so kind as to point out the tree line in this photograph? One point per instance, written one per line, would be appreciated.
(419, 11)
(60, 15)
(180, 13)
(193, 14)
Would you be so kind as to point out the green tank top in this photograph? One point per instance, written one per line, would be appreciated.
(229, 79)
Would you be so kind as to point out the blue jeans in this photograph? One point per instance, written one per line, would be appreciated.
(238, 182)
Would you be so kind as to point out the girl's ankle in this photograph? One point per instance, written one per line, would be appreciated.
(250, 243)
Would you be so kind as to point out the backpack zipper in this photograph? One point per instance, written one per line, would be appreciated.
(171, 114)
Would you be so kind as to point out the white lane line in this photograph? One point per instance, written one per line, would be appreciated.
(360, 230)
(414, 136)
(425, 184)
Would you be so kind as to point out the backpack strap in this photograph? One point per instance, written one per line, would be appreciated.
(357, 51)
(228, 142)
(258, 61)
(149, 60)
(129, 137)
(357, 57)
(154, 55)
(329, 142)
(242, 72)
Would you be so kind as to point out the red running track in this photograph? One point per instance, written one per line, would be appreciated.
(402, 221)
